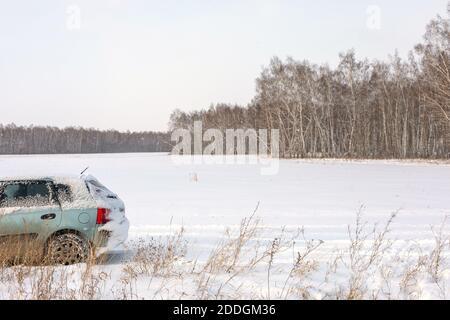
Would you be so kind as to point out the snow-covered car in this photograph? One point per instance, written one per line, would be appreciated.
(68, 217)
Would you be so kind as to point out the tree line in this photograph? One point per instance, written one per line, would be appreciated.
(360, 109)
(398, 108)
(49, 140)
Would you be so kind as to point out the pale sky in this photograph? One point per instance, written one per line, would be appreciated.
(127, 64)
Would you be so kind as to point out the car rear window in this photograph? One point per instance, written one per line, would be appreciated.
(99, 191)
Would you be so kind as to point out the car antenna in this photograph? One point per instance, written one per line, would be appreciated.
(84, 171)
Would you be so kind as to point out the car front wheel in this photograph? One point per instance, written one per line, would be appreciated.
(66, 249)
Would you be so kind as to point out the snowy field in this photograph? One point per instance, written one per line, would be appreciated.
(321, 197)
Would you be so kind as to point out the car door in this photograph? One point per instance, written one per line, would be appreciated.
(28, 208)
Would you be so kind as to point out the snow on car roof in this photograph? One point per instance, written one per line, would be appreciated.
(41, 178)
(80, 193)
(56, 179)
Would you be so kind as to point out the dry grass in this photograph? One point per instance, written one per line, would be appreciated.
(369, 268)
(365, 252)
(157, 257)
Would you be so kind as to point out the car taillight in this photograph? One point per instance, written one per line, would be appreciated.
(102, 215)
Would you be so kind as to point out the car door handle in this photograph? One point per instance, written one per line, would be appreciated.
(48, 216)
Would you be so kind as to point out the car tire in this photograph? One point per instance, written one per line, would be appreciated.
(67, 249)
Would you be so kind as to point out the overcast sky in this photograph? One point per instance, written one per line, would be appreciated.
(127, 64)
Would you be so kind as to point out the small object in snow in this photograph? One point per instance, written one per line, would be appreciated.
(194, 176)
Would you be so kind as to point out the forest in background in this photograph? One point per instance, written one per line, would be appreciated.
(50, 140)
(360, 109)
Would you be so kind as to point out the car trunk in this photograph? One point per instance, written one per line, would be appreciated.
(116, 224)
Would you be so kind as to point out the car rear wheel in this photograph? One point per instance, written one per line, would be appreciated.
(67, 248)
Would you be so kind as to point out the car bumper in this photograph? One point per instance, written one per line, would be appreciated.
(114, 234)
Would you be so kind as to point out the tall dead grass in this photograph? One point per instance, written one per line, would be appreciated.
(245, 265)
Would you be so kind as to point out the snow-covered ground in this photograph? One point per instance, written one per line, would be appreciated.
(321, 196)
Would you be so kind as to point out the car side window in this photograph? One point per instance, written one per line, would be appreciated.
(11, 194)
(64, 193)
(25, 194)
